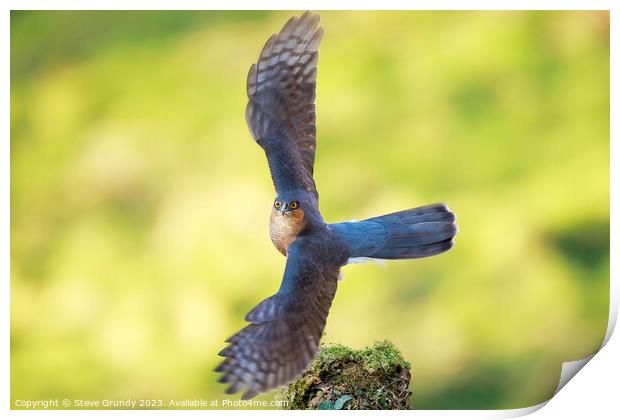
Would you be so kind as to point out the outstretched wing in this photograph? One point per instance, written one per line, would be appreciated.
(280, 113)
(284, 330)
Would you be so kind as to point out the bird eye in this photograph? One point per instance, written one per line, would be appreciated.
(277, 204)
(294, 205)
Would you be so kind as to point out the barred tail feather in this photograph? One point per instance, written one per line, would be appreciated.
(415, 233)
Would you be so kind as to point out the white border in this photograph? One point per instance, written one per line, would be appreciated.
(314, 5)
(593, 393)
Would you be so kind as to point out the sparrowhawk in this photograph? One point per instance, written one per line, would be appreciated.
(284, 330)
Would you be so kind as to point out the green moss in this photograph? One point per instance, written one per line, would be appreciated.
(376, 377)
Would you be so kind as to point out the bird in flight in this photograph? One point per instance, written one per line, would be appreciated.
(283, 331)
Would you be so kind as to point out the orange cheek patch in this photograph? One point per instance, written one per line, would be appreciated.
(298, 218)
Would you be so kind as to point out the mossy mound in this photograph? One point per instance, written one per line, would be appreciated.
(374, 378)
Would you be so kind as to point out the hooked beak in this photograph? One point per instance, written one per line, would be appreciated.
(283, 211)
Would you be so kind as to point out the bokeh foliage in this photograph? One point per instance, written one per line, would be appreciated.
(139, 203)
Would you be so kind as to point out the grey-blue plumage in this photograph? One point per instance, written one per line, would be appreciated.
(284, 330)
(415, 233)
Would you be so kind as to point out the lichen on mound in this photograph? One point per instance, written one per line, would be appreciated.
(374, 378)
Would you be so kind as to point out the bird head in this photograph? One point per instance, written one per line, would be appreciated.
(287, 206)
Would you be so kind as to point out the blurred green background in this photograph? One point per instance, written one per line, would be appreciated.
(140, 204)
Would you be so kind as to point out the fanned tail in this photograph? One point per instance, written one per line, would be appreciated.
(415, 233)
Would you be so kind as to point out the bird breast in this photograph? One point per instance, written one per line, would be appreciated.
(284, 228)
